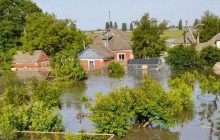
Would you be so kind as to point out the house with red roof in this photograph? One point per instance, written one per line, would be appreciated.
(36, 59)
(113, 45)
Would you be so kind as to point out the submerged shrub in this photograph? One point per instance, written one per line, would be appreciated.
(148, 103)
(184, 58)
(116, 68)
(210, 55)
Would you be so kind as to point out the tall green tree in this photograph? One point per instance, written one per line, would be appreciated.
(180, 24)
(124, 26)
(111, 24)
(45, 32)
(116, 25)
(131, 27)
(210, 26)
(107, 25)
(196, 22)
(12, 20)
(147, 41)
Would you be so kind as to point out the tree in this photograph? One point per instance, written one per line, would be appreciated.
(6, 58)
(116, 107)
(131, 27)
(180, 24)
(210, 26)
(124, 26)
(111, 24)
(36, 108)
(184, 58)
(116, 69)
(107, 25)
(147, 41)
(67, 67)
(45, 32)
(147, 103)
(196, 22)
(116, 25)
(210, 55)
(12, 20)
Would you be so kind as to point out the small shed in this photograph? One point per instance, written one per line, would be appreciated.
(37, 59)
(149, 63)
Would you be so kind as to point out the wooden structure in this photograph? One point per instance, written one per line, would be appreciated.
(32, 134)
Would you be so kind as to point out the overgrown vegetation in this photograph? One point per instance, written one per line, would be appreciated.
(210, 55)
(146, 38)
(210, 26)
(187, 58)
(184, 58)
(148, 103)
(116, 69)
(26, 27)
(36, 106)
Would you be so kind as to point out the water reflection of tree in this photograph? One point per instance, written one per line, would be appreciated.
(209, 84)
(185, 117)
(72, 99)
(151, 134)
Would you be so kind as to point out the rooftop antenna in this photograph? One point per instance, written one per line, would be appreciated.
(109, 18)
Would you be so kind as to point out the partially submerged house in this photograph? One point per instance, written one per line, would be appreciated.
(113, 45)
(38, 59)
(148, 63)
(95, 56)
(215, 42)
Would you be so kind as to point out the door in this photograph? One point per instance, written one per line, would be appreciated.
(91, 64)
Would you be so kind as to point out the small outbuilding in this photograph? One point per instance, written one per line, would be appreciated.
(36, 59)
(148, 63)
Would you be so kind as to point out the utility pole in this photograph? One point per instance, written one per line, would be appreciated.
(109, 18)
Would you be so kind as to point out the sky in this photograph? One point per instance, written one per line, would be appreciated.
(93, 14)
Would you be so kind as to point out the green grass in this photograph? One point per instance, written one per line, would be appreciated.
(167, 34)
(172, 33)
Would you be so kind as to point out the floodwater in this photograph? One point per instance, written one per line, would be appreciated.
(199, 124)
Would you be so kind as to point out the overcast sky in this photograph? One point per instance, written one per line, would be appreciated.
(92, 14)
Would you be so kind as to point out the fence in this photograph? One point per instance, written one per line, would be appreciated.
(34, 135)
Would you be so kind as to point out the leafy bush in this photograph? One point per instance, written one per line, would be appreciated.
(210, 55)
(67, 68)
(113, 113)
(120, 109)
(36, 108)
(116, 68)
(184, 58)
(6, 58)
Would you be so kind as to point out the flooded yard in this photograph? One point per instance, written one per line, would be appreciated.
(198, 124)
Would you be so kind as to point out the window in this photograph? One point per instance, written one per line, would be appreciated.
(91, 64)
(121, 57)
